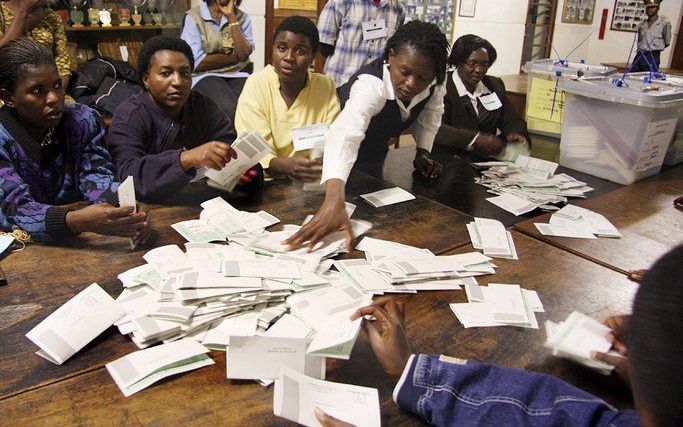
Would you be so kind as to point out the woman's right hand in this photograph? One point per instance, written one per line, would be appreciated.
(299, 168)
(331, 217)
(488, 144)
(103, 218)
(213, 154)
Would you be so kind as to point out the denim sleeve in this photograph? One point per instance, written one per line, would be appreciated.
(96, 179)
(446, 391)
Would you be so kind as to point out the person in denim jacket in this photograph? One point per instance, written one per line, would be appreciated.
(447, 391)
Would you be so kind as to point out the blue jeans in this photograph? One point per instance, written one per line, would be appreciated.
(446, 393)
(644, 59)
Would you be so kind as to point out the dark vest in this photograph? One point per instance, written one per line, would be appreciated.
(385, 125)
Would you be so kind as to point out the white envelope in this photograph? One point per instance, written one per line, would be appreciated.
(73, 325)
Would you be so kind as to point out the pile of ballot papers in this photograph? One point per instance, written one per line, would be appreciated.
(527, 184)
(577, 337)
(492, 238)
(498, 305)
(578, 222)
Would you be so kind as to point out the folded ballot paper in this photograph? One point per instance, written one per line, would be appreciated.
(387, 197)
(250, 148)
(262, 357)
(491, 237)
(576, 338)
(498, 305)
(220, 220)
(143, 368)
(73, 325)
(581, 223)
(527, 184)
(126, 195)
(297, 396)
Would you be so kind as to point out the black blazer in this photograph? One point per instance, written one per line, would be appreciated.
(460, 123)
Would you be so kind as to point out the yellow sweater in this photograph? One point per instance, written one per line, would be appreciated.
(261, 108)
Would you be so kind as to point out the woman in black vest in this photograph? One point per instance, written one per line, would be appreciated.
(380, 101)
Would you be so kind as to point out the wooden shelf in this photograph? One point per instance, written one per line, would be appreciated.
(124, 28)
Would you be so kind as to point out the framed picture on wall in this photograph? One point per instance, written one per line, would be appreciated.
(467, 8)
(579, 11)
(627, 15)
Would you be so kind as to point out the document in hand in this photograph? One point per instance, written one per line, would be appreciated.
(250, 148)
(577, 337)
(537, 167)
(75, 324)
(387, 197)
(143, 368)
(498, 305)
(126, 193)
(262, 357)
(297, 396)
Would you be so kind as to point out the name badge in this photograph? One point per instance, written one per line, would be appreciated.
(374, 29)
(491, 101)
(308, 137)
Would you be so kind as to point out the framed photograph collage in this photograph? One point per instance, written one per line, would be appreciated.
(627, 15)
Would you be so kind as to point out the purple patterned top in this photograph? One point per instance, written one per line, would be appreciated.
(35, 180)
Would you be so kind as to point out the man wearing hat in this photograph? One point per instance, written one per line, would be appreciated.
(654, 35)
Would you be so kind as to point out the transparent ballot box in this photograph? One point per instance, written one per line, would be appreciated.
(619, 131)
(545, 100)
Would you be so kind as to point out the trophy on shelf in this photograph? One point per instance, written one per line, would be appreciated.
(124, 17)
(76, 14)
(166, 9)
(136, 5)
(104, 13)
(153, 8)
(94, 12)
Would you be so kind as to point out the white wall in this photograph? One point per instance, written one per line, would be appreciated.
(501, 22)
(256, 9)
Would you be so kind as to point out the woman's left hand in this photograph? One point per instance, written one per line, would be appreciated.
(227, 8)
(427, 167)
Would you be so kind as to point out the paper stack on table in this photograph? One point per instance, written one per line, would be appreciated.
(577, 337)
(73, 325)
(219, 220)
(527, 184)
(491, 237)
(297, 396)
(578, 222)
(250, 148)
(387, 197)
(143, 368)
(498, 305)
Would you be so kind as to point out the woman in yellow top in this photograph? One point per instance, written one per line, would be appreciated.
(32, 19)
(286, 96)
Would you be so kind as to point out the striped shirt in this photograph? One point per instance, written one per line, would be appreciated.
(339, 25)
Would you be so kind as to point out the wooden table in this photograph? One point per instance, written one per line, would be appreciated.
(456, 187)
(90, 396)
(42, 277)
(644, 214)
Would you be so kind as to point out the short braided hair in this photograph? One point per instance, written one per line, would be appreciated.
(427, 39)
(17, 56)
(300, 25)
(465, 45)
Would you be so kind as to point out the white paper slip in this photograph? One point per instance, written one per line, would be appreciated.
(250, 148)
(297, 396)
(508, 302)
(126, 194)
(337, 338)
(306, 137)
(271, 269)
(558, 230)
(577, 337)
(513, 204)
(289, 326)
(493, 237)
(533, 300)
(262, 357)
(73, 325)
(362, 275)
(205, 279)
(473, 315)
(218, 336)
(387, 197)
(197, 231)
(167, 260)
(316, 307)
(536, 167)
(143, 368)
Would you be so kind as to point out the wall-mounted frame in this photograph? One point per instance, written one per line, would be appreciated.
(627, 14)
(578, 11)
(438, 12)
(467, 8)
